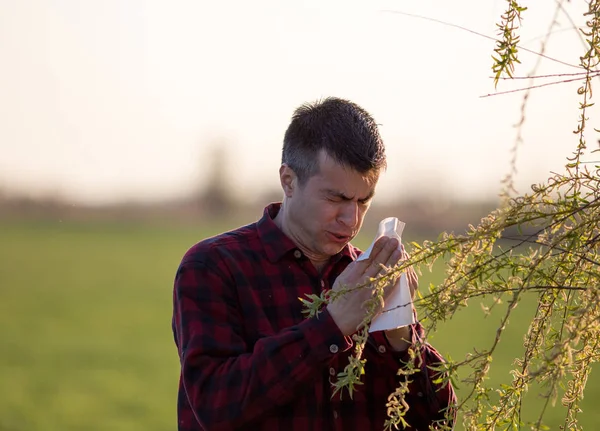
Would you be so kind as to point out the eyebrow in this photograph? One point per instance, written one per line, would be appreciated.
(342, 196)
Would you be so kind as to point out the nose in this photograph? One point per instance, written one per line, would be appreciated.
(349, 214)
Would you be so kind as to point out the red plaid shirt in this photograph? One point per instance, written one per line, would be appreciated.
(250, 360)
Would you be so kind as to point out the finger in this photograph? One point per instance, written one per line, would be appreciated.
(413, 281)
(411, 274)
(393, 261)
(377, 247)
(391, 245)
(381, 257)
(394, 258)
(393, 278)
(405, 255)
(373, 269)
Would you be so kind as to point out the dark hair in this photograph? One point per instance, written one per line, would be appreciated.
(343, 129)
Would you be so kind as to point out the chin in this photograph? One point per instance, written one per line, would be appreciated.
(333, 249)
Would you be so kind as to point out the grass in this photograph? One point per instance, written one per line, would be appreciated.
(85, 314)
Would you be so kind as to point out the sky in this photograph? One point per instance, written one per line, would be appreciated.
(105, 101)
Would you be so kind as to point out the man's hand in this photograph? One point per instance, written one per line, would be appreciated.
(400, 338)
(348, 310)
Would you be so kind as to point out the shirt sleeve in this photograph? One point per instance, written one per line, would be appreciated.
(428, 400)
(228, 383)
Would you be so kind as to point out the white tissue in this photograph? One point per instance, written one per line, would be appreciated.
(397, 311)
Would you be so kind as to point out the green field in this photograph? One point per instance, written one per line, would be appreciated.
(85, 329)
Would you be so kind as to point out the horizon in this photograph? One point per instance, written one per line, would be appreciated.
(107, 101)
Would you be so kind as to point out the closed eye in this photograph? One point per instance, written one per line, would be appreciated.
(334, 196)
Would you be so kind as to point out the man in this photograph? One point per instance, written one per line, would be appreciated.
(250, 359)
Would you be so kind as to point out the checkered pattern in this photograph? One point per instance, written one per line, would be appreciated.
(250, 360)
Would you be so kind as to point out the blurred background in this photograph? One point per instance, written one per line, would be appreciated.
(131, 130)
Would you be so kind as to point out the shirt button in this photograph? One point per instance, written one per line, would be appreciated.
(332, 371)
(381, 349)
(419, 394)
(322, 283)
(297, 254)
(335, 414)
(333, 348)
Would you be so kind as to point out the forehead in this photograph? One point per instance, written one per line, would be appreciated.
(333, 176)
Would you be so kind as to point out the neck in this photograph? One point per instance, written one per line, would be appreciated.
(283, 221)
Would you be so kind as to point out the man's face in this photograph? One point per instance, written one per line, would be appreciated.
(327, 211)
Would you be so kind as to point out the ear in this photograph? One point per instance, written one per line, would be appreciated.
(288, 179)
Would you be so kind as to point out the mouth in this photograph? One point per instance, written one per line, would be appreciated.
(339, 238)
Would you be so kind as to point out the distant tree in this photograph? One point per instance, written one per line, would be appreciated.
(216, 197)
(553, 249)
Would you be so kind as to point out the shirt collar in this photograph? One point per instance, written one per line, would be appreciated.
(276, 244)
